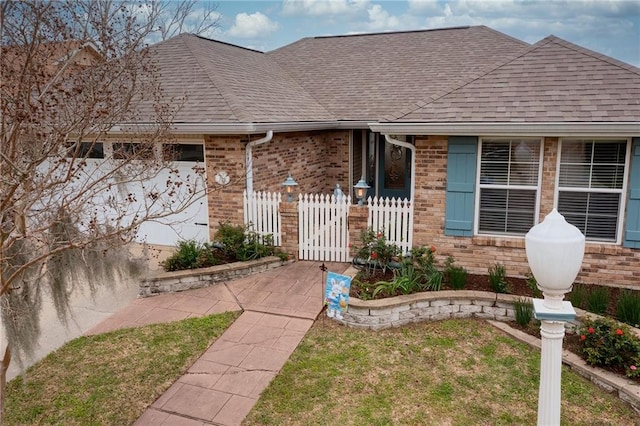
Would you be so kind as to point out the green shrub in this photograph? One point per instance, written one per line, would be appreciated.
(497, 279)
(606, 343)
(578, 296)
(406, 280)
(456, 275)
(255, 246)
(189, 255)
(597, 300)
(241, 244)
(232, 237)
(523, 311)
(433, 279)
(629, 307)
(532, 283)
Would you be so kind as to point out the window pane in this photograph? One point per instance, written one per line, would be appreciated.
(595, 165)
(594, 214)
(574, 175)
(129, 151)
(183, 152)
(506, 211)
(86, 150)
(513, 162)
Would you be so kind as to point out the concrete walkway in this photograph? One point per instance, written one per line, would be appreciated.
(222, 386)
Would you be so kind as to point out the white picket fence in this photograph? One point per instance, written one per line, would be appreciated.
(262, 214)
(322, 222)
(395, 217)
(322, 227)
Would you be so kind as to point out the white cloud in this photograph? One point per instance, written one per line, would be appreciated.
(424, 6)
(252, 26)
(323, 7)
(381, 20)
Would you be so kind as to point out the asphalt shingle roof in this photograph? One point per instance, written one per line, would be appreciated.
(465, 74)
(223, 83)
(369, 76)
(552, 81)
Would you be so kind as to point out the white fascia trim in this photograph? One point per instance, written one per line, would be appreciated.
(577, 129)
(242, 128)
(231, 129)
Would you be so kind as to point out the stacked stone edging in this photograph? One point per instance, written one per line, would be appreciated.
(429, 306)
(171, 282)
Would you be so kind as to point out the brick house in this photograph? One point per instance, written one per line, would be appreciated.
(484, 133)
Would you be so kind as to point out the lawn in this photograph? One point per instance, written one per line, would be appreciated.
(109, 379)
(456, 372)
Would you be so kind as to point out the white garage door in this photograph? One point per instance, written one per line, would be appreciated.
(193, 222)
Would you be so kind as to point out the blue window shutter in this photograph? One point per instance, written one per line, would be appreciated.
(632, 223)
(462, 158)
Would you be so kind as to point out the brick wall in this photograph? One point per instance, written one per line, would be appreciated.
(319, 160)
(225, 153)
(604, 264)
(316, 160)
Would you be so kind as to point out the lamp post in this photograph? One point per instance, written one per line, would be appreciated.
(361, 190)
(554, 250)
(289, 184)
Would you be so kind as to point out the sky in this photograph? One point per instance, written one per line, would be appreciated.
(611, 27)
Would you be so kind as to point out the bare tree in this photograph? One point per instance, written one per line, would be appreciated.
(70, 73)
(192, 17)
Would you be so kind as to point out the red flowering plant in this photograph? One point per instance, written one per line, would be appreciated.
(609, 344)
(376, 251)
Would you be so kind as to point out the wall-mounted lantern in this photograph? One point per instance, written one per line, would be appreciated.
(289, 184)
(361, 190)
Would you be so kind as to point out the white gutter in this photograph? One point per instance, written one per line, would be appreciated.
(412, 148)
(574, 129)
(249, 158)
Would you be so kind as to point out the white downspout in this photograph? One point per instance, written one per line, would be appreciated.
(412, 148)
(249, 158)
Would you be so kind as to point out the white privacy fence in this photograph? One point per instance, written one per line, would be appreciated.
(323, 233)
(395, 217)
(262, 214)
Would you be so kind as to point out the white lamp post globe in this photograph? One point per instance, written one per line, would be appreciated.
(554, 249)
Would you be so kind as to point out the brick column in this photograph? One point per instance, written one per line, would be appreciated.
(358, 219)
(289, 231)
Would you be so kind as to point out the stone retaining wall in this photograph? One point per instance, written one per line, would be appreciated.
(429, 306)
(170, 282)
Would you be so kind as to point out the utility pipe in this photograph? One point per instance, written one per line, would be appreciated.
(412, 148)
(249, 158)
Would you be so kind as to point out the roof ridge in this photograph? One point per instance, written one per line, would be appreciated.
(424, 30)
(594, 54)
(228, 96)
(466, 81)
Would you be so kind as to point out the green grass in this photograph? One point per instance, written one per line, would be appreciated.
(109, 379)
(457, 372)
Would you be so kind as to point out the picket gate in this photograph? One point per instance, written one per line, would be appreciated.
(394, 217)
(262, 214)
(322, 227)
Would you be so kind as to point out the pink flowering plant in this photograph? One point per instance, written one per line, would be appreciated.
(609, 344)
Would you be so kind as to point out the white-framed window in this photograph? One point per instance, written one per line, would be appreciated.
(507, 200)
(591, 177)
